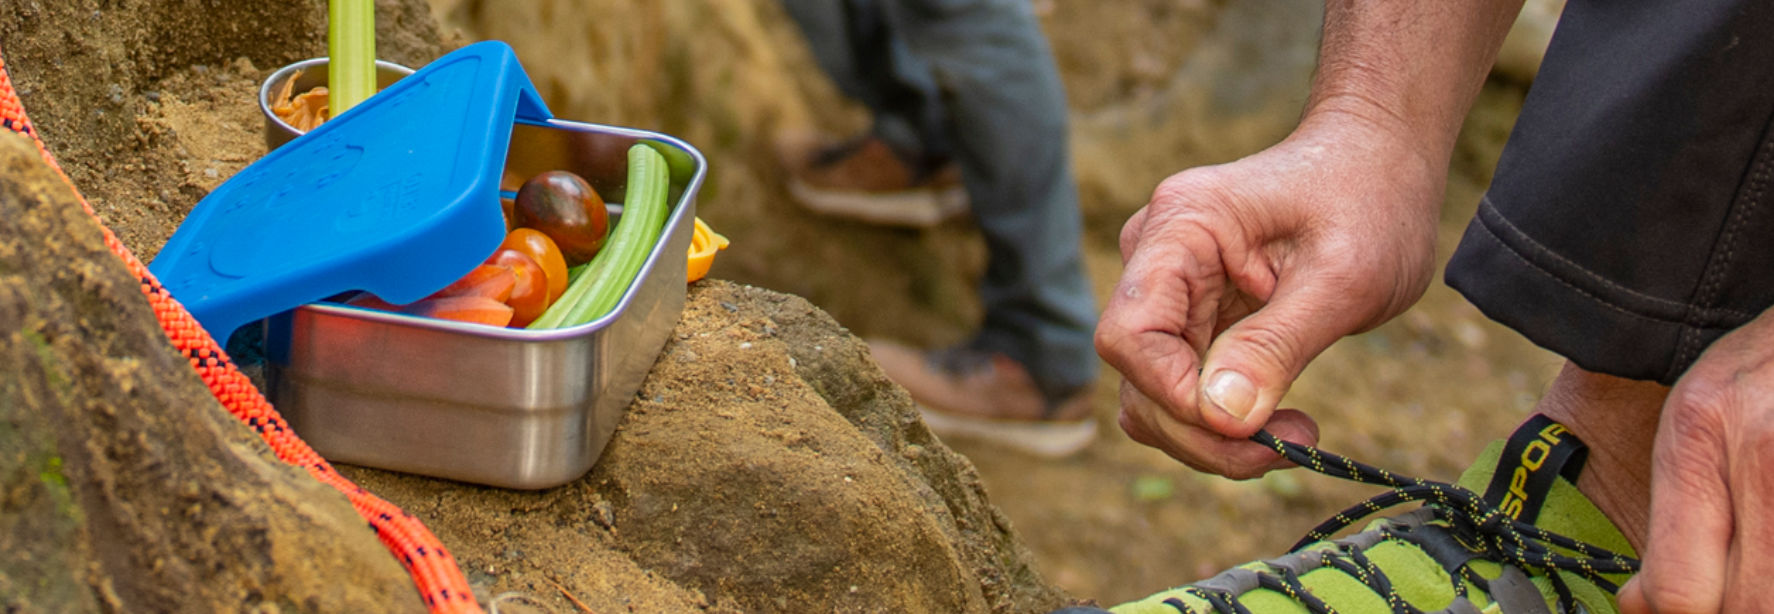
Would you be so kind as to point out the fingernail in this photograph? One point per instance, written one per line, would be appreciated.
(1232, 393)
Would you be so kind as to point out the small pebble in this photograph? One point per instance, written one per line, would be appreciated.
(603, 515)
(1283, 485)
(1470, 335)
(1152, 488)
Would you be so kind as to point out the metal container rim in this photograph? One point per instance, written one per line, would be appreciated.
(282, 73)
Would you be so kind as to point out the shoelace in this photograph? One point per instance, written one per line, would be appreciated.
(1480, 526)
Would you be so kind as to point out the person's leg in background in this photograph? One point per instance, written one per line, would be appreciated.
(900, 172)
(974, 80)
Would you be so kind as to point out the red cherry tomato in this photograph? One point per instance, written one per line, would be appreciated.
(371, 301)
(476, 309)
(486, 280)
(529, 296)
(543, 250)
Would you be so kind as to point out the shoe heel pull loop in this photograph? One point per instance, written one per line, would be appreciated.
(1536, 455)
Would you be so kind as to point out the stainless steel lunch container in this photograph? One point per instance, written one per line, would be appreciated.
(522, 409)
(313, 74)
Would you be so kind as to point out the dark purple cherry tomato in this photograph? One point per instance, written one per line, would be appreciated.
(564, 207)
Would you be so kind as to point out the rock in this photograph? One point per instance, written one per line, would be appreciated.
(124, 485)
(1240, 89)
(789, 476)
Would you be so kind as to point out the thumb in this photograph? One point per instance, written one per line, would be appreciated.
(1254, 362)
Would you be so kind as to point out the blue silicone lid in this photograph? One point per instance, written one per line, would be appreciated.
(398, 196)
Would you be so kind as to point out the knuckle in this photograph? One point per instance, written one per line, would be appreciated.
(1110, 337)
(1195, 198)
(1116, 328)
(1118, 333)
(1130, 230)
(1130, 424)
(1196, 186)
(1178, 189)
(1128, 350)
(1696, 411)
(1693, 443)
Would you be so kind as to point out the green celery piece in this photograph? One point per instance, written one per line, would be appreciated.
(582, 276)
(648, 181)
(351, 47)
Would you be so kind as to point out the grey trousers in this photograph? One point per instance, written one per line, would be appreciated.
(974, 81)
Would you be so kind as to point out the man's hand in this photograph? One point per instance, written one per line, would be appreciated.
(1711, 545)
(1238, 275)
(1258, 265)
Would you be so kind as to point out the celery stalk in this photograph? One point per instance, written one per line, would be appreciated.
(596, 291)
(351, 45)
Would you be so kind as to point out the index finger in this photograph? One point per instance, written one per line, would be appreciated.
(1158, 321)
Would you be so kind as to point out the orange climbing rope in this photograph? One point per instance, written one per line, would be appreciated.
(434, 571)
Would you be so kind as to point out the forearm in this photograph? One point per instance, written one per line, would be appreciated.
(1409, 69)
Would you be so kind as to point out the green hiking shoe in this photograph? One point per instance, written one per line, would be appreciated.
(1529, 544)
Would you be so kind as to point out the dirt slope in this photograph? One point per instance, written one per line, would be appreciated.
(124, 486)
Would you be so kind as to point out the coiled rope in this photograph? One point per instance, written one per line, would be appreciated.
(435, 573)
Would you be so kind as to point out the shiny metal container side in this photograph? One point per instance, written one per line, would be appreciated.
(314, 73)
(514, 408)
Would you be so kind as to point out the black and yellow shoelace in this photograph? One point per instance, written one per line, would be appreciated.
(1479, 526)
